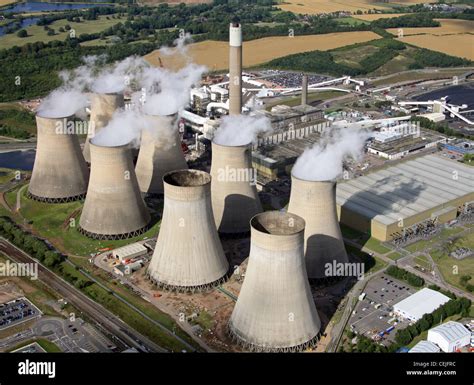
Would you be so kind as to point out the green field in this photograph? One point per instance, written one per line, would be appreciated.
(312, 97)
(47, 345)
(375, 245)
(451, 268)
(372, 264)
(395, 256)
(38, 33)
(50, 221)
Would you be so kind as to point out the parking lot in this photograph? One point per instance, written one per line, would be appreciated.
(17, 311)
(372, 315)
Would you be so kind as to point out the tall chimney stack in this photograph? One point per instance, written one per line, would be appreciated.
(304, 90)
(235, 68)
(315, 202)
(275, 310)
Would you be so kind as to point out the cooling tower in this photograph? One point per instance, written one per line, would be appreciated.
(316, 203)
(234, 194)
(160, 153)
(103, 107)
(304, 90)
(60, 173)
(275, 310)
(188, 254)
(114, 208)
(235, 69)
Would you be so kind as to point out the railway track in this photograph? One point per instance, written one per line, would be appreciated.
(105, 320)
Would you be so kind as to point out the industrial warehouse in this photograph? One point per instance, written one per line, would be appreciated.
(421, 192)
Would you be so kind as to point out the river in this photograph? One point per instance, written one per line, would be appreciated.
(36, 6)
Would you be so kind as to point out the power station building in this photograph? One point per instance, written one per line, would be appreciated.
(60, 173)
(398, 199)
(275, 309)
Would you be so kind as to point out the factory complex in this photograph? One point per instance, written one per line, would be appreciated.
(398, 199)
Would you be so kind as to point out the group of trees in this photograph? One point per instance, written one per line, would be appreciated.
(464, 281)
(16, 123)
(402, 274)
(29, 243)
(454, 306)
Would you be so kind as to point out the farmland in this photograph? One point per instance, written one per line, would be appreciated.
(38, 33)
(259, 51)
(326, 6)
(448, 27)
(377, 16)
(454, 37)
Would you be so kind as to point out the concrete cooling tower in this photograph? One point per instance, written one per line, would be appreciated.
(275, 310)
(160, 153)
(60, 173)
(235, 69)
(234, 194)
(114, 208)
(103, 107)
(188, 254)
(316, 202)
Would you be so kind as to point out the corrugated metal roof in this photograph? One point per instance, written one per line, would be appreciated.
(425, 347)
(407, 188)
(422, 302)
(451, 331)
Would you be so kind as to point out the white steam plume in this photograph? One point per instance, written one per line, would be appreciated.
(124, 127)
(324, 161)
(61, 103)
(117, 77)
(167, 92)
(179, 45)
(239, 130)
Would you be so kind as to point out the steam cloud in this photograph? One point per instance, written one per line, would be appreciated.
(62, 102)
(124, 127)
(239, 130)
(324, 161)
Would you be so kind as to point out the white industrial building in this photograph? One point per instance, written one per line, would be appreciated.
(424, 301)
(133, 250)
(450, 336)
(425, 347)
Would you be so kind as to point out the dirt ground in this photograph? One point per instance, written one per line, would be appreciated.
(218, 305)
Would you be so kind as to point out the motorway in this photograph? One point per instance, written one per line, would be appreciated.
(123, 335)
